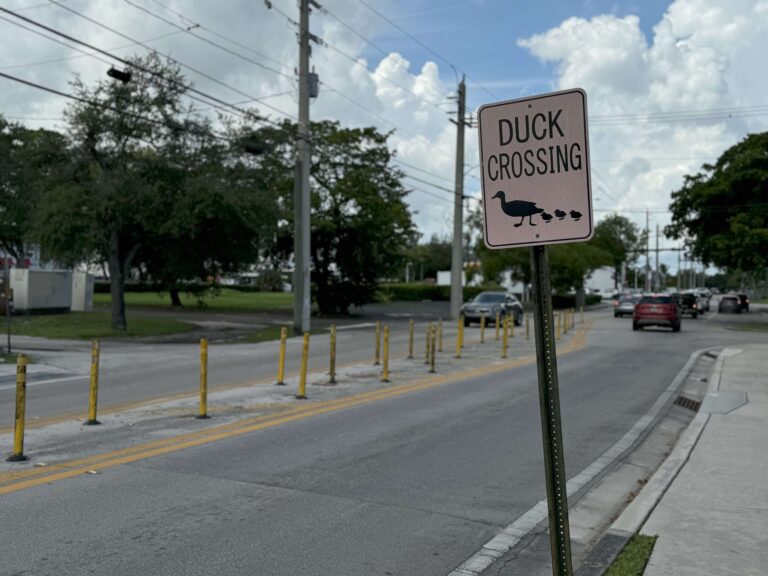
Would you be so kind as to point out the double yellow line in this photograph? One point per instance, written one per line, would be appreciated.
(21, 480)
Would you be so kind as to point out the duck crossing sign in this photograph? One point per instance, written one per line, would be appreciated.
(534, 156)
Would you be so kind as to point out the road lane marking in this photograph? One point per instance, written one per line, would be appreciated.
(15, 481)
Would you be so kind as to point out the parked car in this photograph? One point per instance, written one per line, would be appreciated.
(743, 301)
(489, 304)
(657, 310)
(625, 305)
(729, 303)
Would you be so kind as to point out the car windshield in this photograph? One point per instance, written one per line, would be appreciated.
(489, 298)
(656, 300)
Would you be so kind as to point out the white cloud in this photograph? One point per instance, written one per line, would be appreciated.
(703, 55)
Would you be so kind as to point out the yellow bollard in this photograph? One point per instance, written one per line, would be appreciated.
(428, 338)
(498, 315)
(203, 380)
(440, 335)
(281, 362)
(410, 339)
(21, 404)
(302, 395)
(482, 328)
(93, 392)
(458, 336)
(432, 352)
(581, 310)
(377, 352)
(505, 338)
(565, 321)
(527, 326)
(332, 370)
(385, 371)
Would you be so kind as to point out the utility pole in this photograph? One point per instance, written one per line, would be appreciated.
(457, 256)
(647, 254)
(679, 272)
(301, 254)
(657, 277)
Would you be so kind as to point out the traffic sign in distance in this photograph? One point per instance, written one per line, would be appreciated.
(534, 156)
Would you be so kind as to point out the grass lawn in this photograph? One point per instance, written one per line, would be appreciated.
(225, 300)
(751, 327)
(634, 557)
(88, 325)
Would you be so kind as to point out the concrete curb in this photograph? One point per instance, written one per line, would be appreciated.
(512, 534)
(634, 516)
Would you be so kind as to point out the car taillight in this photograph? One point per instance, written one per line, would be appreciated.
(695, 305)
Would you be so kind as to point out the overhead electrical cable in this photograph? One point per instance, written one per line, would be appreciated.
(187, 87)
(103, 106)
(368, 41)
(430, 50)
(189, 31)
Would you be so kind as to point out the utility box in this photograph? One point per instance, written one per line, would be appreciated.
(82, 292)
(41, 290)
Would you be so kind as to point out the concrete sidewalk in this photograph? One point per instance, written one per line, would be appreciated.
(708, 503)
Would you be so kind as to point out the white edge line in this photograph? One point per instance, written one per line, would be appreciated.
(41, 382)
(517, 530)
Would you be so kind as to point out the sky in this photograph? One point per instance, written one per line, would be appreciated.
(670, 85)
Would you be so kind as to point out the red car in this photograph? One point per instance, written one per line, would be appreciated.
(656, 310)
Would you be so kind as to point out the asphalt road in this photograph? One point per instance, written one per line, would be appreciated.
(411, 485)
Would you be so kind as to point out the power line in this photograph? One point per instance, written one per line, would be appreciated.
(430, 50)
(189, 31)
(103, 106)
(451, 192)
(82, 55)
(365, 39)
(149, 48)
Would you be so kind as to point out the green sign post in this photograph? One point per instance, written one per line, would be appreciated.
(534, 155)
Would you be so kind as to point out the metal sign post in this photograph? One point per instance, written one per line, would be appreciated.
(534, 155)
(549, 401)
(7, 289)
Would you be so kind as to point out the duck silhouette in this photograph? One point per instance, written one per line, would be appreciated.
(575, 215)
(546, 217)
(560, 214)
(518, 208)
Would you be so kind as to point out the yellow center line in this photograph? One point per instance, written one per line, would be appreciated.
(22, 480)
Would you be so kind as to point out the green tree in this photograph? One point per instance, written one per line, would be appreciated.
(218, 213)
(29, 162)
(620, 238)
(569, 263)
(722, 212)
(112, 201)
(431, 257)
(360, 224)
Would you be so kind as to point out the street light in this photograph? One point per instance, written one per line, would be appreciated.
(121, 75)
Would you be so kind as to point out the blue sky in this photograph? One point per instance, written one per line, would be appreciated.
(480, 37)
(671, 84)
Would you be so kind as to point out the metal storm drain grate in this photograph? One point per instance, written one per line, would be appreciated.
(687, 403)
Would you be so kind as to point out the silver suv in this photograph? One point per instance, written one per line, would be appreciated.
(490, 303)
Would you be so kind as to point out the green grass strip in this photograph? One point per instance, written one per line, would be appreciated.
(634, 557)
(89, 325)
(751, 327)
(225, 299)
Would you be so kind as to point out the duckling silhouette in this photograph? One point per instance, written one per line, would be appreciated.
(546, 217)
(560, 214)
(521, 208)
(575, 215)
